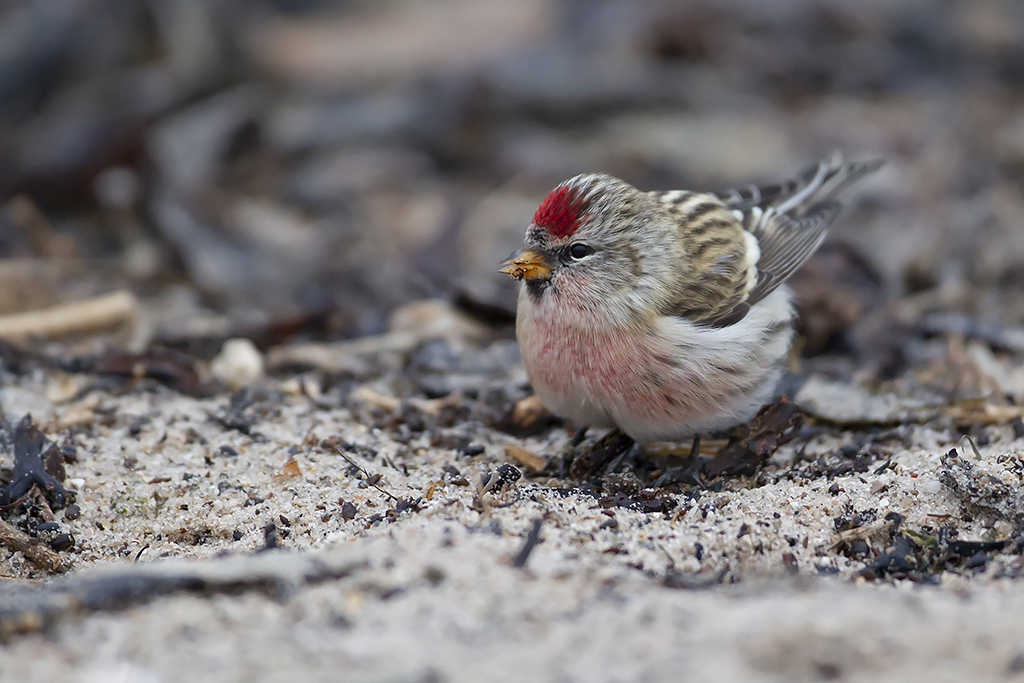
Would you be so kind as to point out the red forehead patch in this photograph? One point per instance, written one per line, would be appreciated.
(560, 212)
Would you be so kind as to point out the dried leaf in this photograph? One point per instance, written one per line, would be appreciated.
(290, 470)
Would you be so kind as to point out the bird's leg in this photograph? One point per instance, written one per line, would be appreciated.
(693, 464)
(688, 472)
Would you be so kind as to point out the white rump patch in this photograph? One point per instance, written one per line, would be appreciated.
(753, 256)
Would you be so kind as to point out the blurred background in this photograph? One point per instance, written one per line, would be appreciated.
(298, 169)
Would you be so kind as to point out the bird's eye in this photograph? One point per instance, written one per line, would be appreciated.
(578, 250)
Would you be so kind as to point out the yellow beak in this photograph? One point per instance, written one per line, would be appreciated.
(529, 265)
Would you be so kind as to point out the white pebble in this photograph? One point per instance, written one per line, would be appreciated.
(239, 363)
(932, 486)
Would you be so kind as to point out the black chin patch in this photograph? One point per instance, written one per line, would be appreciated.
(536, 288)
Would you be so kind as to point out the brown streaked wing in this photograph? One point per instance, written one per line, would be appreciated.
(786, 243)
(790, 221)
(712, 236)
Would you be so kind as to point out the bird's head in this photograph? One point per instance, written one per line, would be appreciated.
(592, 241)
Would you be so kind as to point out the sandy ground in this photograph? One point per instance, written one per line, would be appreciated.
(743, 583)
(297, 173)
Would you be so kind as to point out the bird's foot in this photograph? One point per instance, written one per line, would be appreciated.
(688, 473)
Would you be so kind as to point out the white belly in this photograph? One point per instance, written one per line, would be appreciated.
(669, 381)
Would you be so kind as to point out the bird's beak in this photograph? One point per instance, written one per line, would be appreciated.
(527, 264)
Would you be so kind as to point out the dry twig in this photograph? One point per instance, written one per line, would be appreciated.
(35, 551)
(525, 457)
(101, 312)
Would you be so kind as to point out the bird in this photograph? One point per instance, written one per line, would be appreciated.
(665, 315)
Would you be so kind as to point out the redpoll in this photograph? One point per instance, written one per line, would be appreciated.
(664, 313)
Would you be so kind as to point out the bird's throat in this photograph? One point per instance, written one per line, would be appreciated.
(537, 288)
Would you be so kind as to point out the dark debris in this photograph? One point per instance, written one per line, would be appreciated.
(594, 459)
(694, 581)
(173, 368)
(532, 539)
(503, 477)
(29, 470)
(774, 425)
(31, 609)
(979, 491)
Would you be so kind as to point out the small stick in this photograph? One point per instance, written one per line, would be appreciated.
(108, 310)
(977, 453)
(37, 552)
(532, 539)
(363, 470)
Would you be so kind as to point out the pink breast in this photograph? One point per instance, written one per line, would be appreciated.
(618, 369)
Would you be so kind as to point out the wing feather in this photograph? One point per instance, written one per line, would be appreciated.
(789, 220)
